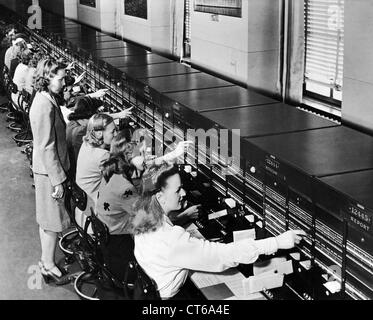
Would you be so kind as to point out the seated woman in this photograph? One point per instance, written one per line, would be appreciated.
(115, 199)
(76, 128)
(85, 107)
(93, 153)
(147, 165)
(20, 46)
(6, 42)
(20, 73)
(167, 252)
(29, 78)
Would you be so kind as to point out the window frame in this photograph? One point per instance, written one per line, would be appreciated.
(87, 4)
(330, 100)
(134, 16)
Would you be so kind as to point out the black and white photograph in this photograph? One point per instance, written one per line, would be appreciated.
(204, 151)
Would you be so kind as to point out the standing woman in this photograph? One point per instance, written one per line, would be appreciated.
(50, 163)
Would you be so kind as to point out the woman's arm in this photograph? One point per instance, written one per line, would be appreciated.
(181, 218)
(196, 254)
(180, 149)
(121, 115)
(118, 115)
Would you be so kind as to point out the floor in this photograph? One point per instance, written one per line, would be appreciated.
(19, 240)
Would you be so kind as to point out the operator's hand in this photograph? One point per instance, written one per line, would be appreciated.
(192, 212)
(80, 78)
(58, 192)
(98, 94)
(70, 66)
(124, 114)
(289, 239)
(180, 149)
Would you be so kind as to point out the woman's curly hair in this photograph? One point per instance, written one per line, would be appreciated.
(46, 70)
(97, 123)
(120, 158)
(120, 145)
(36, 57)
(25, 56)
(147, 214)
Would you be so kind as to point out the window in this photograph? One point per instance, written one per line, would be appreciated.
(136, 8)
(90, 3)
(324, 22)
(224, 7)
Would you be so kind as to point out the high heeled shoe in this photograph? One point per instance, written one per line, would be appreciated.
(50, 277)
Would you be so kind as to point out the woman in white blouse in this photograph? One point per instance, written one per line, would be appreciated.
(19, 78)
(167, 252)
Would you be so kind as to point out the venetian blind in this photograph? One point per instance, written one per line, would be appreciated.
(324, 21)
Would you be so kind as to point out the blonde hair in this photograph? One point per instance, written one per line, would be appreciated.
(120, 157)
(147, 214)
(46, 70)
(121, 146)
(96, 124)
(17, 48)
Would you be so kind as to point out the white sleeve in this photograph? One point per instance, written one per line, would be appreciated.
(22, 80)
(195, 254)
(16, 78)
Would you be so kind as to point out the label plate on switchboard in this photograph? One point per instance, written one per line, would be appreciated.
(359, 217)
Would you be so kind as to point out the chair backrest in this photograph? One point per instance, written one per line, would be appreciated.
(99, 240)
(7, 82)
(136, 285)
(100, 231)
(20, 101)
(24, 100)
(75, 197)
(13, 87)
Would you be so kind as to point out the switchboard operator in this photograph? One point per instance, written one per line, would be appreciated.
(167, 252)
